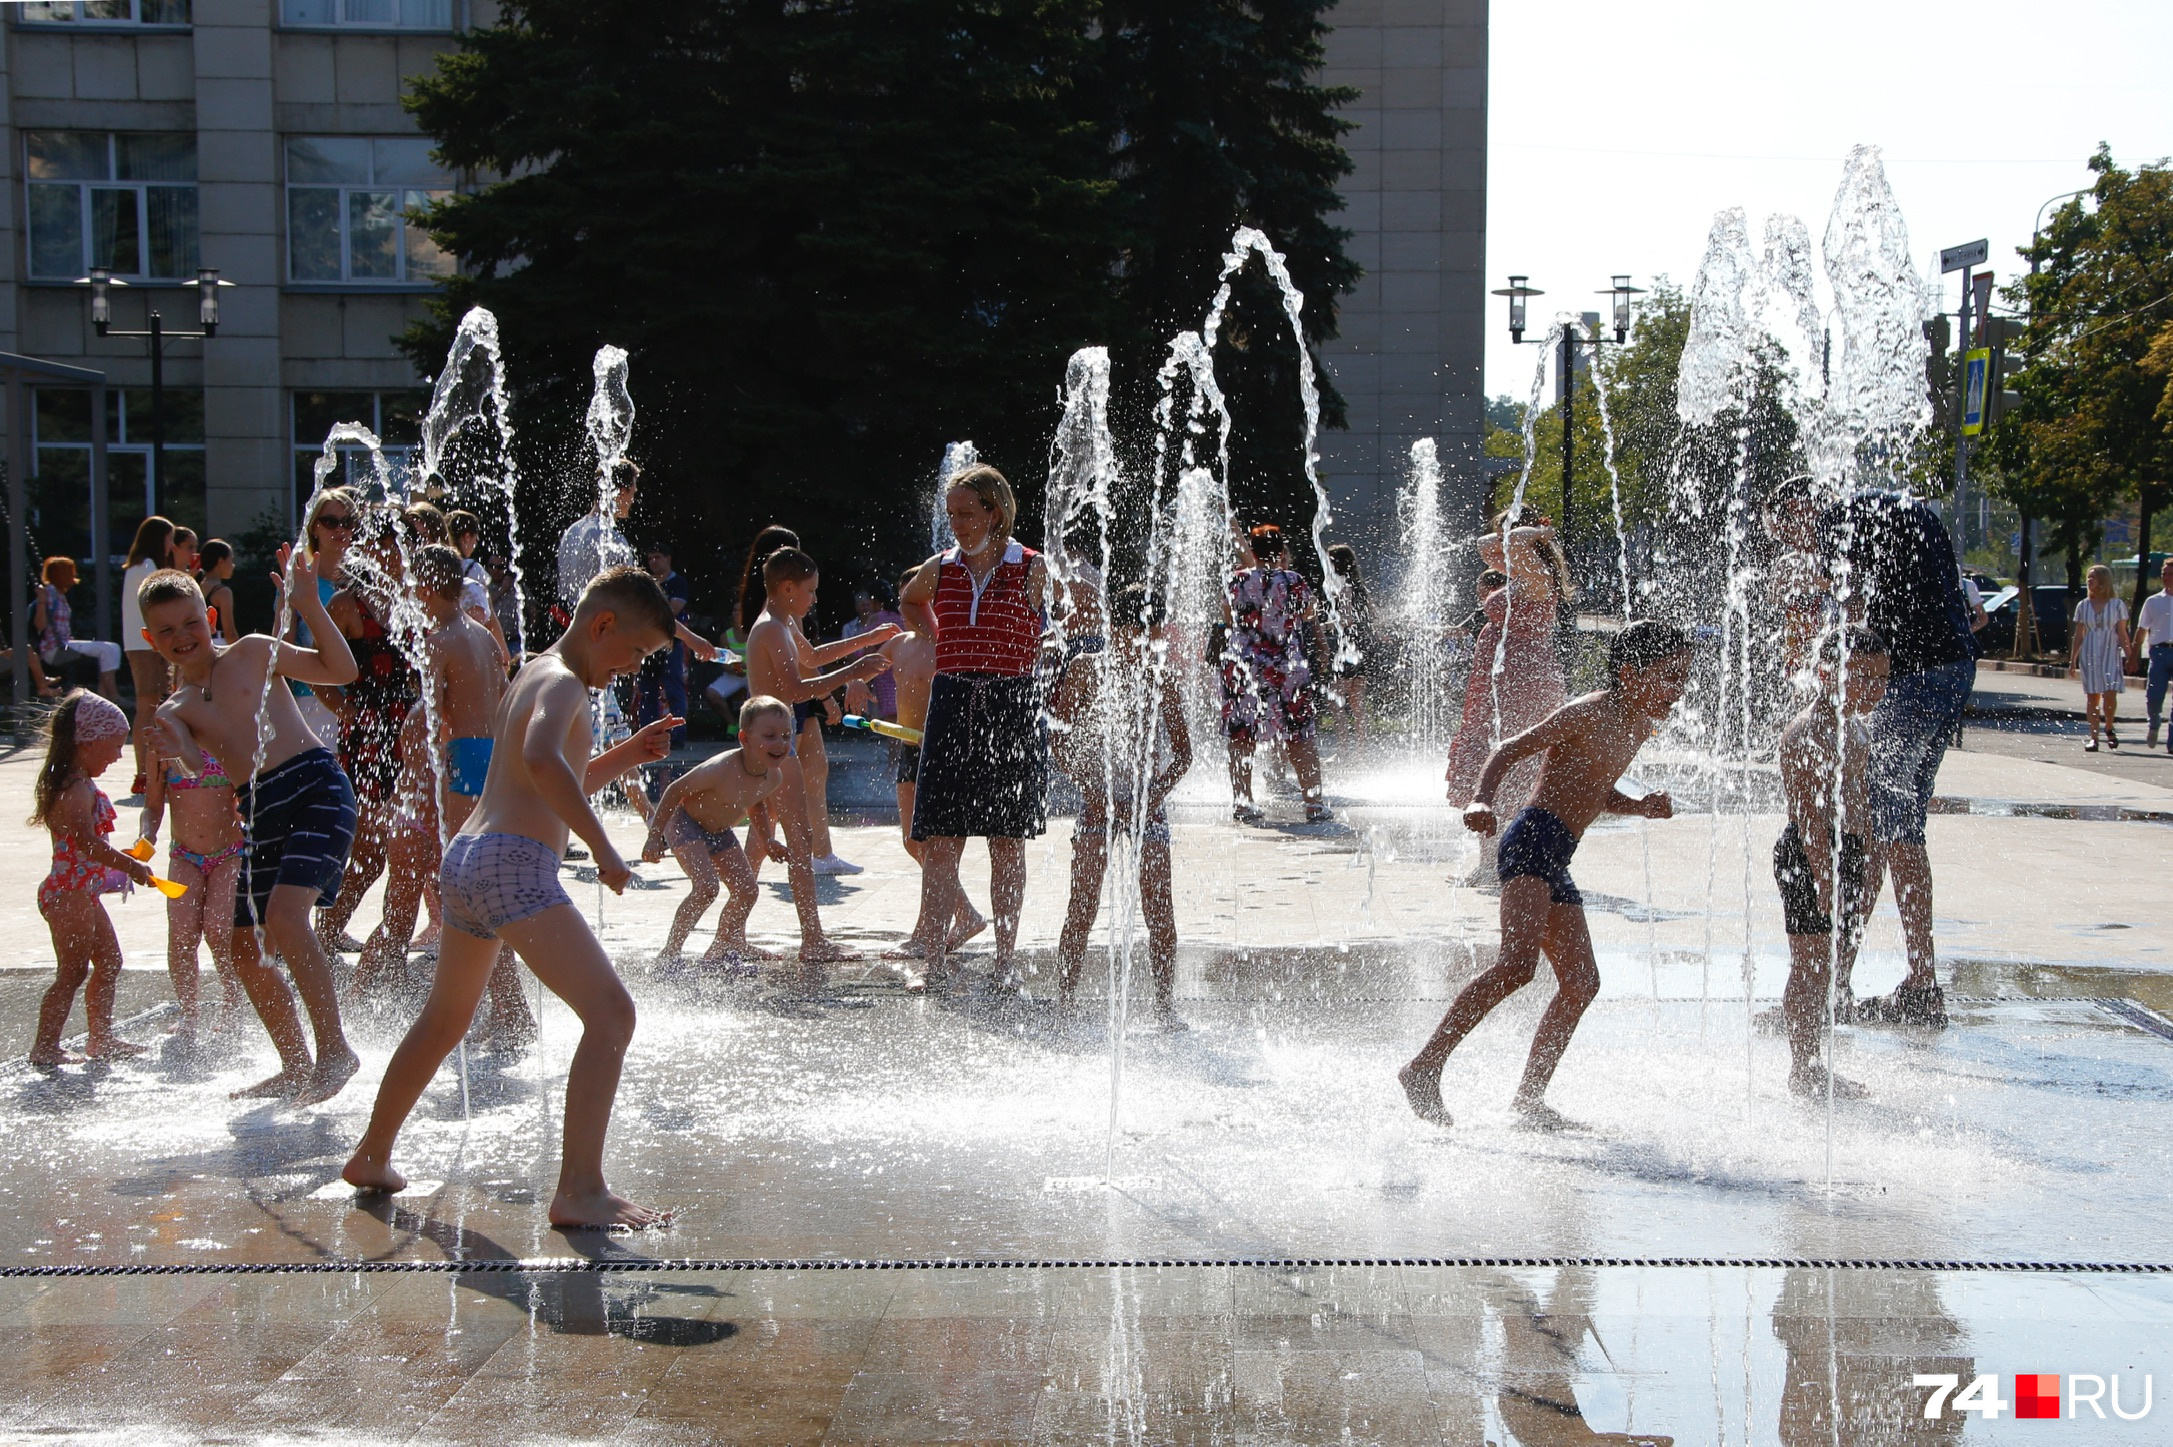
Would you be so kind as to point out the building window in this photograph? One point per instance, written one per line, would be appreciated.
(125, 201)
(60, 482)
(368, 14)
(396, 418)
(106, 12)
(348, 205)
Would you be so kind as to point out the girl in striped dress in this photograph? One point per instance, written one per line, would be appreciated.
(2098, 646)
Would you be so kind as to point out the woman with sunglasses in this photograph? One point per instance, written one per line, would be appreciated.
(330, 528)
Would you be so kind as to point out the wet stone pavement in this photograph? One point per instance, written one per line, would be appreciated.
(910, 1219)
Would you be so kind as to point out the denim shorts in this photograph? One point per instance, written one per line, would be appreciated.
(1909, 735)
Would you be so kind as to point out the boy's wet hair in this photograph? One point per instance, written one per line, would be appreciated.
(437, 570)
(631, 594)
(1854, 641)
(425, 523)
(463, 523)
(760, 705)
(787, 565)
(1645, 644)
(1137, 605)
(167, 585)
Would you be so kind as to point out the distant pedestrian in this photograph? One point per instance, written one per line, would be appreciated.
(215, 574)
(52, 621)
(2097, 650)
(1352, 672)
(1265, 695)
(2155, 621)
(1516, 675)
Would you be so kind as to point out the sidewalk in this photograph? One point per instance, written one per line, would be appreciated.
(2036, 864)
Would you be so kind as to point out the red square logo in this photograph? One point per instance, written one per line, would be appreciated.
(2037, 1394)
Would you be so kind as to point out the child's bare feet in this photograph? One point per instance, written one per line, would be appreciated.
(329, 1078)
(740, 946)
(51, 1059)
(729, 963)
(963, 929)
(113, 1047)
(603, 1211)
(369, 1173)
(828, 952)
(1810, 1082)
(1169, 1021)
(1538, 1115)
(908, 948)
(668, 961)
(1423, 1089)
(276, 1087)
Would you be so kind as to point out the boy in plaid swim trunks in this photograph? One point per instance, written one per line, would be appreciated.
(500, 882)
(298, 806)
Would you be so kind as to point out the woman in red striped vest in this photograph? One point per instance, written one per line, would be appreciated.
(984, 761)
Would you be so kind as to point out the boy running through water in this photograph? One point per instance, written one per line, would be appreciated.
(298, 807)
(1586, 744)
(777, 668)
(1132, 793)
(695, 817)
(1825, 746)
(500, 882)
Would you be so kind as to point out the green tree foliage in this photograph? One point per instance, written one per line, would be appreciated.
(835, 236)
(1217, 121)
(2091, 431)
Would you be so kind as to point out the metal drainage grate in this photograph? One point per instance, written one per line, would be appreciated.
(547, 1265)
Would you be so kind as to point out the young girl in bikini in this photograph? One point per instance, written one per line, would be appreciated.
(206, 855)
(86, 736)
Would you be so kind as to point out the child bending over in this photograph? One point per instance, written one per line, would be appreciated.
(1129, 795)
(298, 807)
(84, 738)
(1585, 745)
(500, 883)
(695, 817)
(1826, 776)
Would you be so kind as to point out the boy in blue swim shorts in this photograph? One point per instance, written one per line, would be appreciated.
(500, 883)
(694, 817)
(1584, 746)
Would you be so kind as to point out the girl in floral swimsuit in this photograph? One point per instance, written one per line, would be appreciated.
(206, 855)
(86, 737)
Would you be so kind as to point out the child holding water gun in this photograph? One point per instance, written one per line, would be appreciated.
(84, 738)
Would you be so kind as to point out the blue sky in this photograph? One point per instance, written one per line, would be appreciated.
(1618, 129)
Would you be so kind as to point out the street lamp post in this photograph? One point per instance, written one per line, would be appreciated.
(1518, 294)
(101, 281)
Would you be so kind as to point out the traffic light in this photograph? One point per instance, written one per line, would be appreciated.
(1936, 381)
(2004, 335)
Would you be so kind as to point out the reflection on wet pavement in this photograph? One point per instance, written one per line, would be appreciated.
(873, 1127)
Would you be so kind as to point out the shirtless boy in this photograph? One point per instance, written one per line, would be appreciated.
(1146, 770)
(1585, 745)
(500, 882)
(694, 819)
(912, 658)
(1829, 741)
(781, 666)
(299, 807)
(464, 683)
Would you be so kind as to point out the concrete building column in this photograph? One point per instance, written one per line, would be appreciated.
(1408, 361)
(238, 170)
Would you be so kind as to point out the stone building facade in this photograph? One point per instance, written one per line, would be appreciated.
(265, 138)
(1409, 358)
